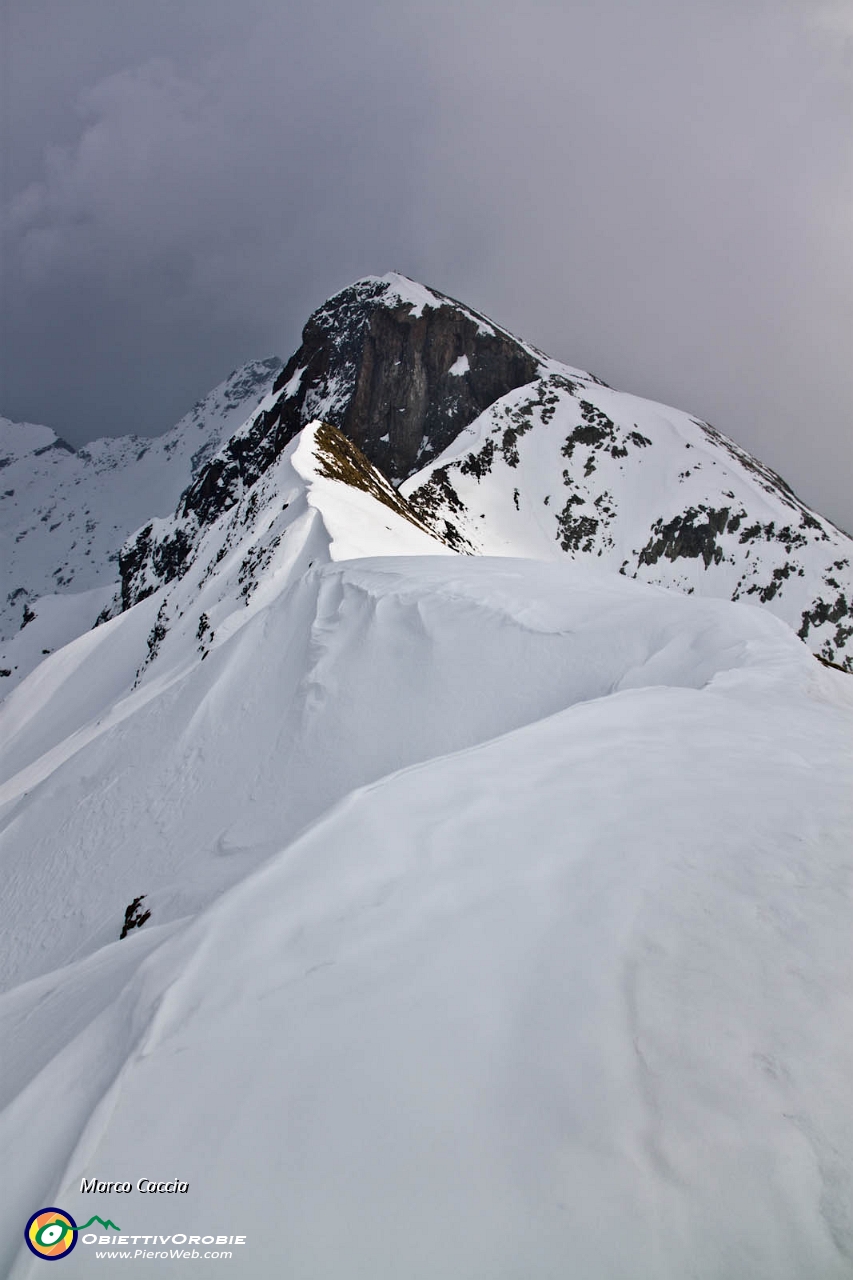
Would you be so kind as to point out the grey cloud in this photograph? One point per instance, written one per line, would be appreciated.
(659, 191)
(676, 197)
(182, 230)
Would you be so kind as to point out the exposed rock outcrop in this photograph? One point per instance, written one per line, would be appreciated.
(401, 376)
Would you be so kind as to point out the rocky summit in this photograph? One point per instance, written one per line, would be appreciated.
(400, 369)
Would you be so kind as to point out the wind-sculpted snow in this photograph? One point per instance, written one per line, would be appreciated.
(334, 677)
(64, 513)
(567, 467)
(561, 970)
(321, 500)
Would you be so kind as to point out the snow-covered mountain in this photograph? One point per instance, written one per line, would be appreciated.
(506, 452)
(561, 467)
(500, 901)
(64, 513)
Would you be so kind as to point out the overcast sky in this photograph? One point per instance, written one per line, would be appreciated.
(658, 190)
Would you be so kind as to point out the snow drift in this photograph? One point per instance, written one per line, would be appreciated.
(580, 991)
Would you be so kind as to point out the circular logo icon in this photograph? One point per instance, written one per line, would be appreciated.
(51, 1233)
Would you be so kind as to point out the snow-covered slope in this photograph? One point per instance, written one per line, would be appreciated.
(567, 467)
(499, 899)
(79, 704)
(575, 983)
(64, 513)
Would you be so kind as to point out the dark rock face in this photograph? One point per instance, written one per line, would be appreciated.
(383, 373)
(398, 369)
(144, 563)
(690, 535)
(379, 372)
(58, 443)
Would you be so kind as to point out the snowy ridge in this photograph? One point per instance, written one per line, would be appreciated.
(577, 1024)
(320, 501)
(64, 513)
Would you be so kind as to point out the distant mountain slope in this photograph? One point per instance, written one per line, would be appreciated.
(561, 467)
(64, 513)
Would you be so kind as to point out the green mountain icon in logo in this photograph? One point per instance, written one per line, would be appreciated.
(109, 1226)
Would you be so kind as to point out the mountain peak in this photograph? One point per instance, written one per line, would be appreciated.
(499, 450)
(393, 291)
(400, 368)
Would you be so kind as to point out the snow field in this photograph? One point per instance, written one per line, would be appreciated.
(576, 995)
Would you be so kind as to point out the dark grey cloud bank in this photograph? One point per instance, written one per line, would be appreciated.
(658, 190)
